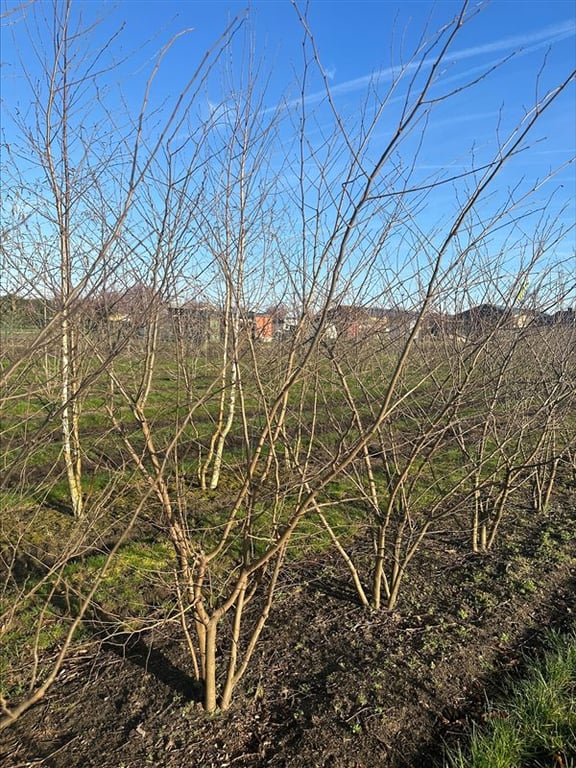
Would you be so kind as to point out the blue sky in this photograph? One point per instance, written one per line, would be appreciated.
(360, 45)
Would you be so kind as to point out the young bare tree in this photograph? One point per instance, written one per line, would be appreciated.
(77, 204)
(237, 216)
(397, 482)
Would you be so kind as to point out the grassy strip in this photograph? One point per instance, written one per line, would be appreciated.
(534, 724)
(138, 581)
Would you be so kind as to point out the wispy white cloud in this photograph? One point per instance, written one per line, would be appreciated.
(517, 44)
(556, 151)
(547, 35)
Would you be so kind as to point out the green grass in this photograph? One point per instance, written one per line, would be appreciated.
(534, 723)
(139, 577)
(39, 525)
(137, 581)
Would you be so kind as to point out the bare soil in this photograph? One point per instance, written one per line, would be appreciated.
(331, 686)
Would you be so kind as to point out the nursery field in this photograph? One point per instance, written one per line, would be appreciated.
(287, 386)
(368, 585)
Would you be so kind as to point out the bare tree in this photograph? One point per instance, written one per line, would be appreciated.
(77, 208)
(399, 522)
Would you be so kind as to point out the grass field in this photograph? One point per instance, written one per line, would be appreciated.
(533, 722)
(470, 456)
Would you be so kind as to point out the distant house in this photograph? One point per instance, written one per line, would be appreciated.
(566, 317)
(197, 322)
(262, 327)
(285, 325)
(485, 318)
(479, 319)
(399, 323)
(356, 322)
(522, 318)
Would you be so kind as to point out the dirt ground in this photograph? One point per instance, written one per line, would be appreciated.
(331, 686)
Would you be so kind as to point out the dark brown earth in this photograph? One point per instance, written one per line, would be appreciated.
(331, 686)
